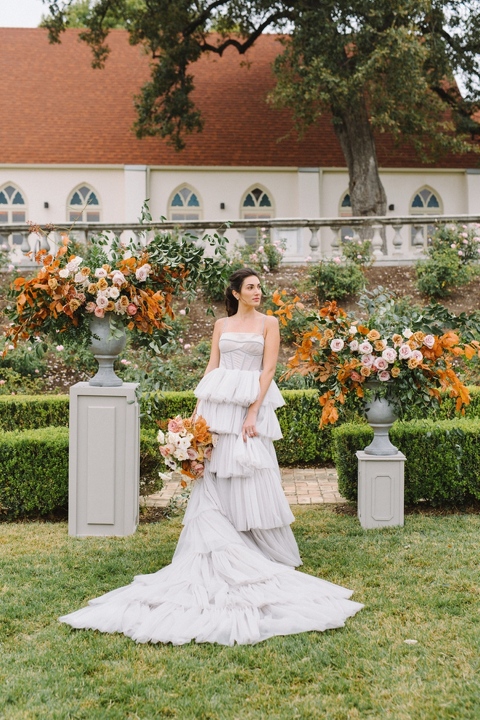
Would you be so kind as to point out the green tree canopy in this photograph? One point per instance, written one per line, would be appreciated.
(372, 65)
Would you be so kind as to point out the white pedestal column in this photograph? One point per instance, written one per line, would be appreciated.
(380, 490)
(104, 462)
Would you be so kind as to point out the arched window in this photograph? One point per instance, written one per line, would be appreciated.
(425, 201)
(256, 205)
(184, 204)
(344, 211)
(13, 208)
(83, 205)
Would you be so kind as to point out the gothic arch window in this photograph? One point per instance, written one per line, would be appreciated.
(256, 205)
(425, 201)
(84, 205)
(344, 211)
(13, 208)
(185, 204)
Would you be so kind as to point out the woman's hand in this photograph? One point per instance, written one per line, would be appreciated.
(249, 429)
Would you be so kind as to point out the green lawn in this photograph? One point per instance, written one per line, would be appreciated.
(420, 582)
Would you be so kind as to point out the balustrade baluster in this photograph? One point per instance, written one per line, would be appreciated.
(418, 240)
(314, 244)
(377, 242)
(397, 241)
(335, 245)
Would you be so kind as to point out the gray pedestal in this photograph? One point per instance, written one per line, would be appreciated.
(380, 490)
(104, 463)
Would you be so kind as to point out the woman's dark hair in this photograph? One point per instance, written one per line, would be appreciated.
(235, 283)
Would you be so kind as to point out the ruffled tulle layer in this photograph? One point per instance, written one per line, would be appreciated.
(222, 591)
(223, 418)
(240, 387)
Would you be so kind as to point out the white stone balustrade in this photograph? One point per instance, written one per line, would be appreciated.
(395, 240)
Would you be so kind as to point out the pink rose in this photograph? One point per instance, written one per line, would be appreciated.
(118, 278)
(337, 344)
(384, 376)
(405, 352)
(99, 312)
(429, 341)
(365, 348)
(102, 301)
(131, 309)
(380, 363)
(192, 454)
(417, 355)
(367, 360)
(142, 273)
(165, 450)
(390, 355)
(90, 307)
(356, 377)
(208, 452)
(100, 273)
(198, 469)
(354, 346)
(175, 425)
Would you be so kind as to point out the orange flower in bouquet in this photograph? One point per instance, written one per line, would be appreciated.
(185, 445)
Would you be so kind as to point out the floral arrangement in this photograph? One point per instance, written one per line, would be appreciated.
(186, 445)
(344, 356)
(133, 283)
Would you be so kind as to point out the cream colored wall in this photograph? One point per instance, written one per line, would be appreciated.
(54, 185)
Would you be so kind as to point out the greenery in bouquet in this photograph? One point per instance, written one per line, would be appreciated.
(132, 282)
(389, 352)
(185, 445)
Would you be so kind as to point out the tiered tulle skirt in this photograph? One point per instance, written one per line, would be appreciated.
(232, 578)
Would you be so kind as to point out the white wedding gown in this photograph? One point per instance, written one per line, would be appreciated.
(232, 578)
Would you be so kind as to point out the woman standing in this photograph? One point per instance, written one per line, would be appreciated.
(232, 578)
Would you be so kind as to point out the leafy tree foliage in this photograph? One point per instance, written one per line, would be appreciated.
(373, 65)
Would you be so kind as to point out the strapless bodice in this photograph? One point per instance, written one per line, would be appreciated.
(241, 351)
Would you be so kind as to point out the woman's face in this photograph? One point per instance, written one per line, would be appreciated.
(251, 292)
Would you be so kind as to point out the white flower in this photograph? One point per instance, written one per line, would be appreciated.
(367, 360)
(73, 264)
(389, 354)
(352, 330)
(119, 309)
(407, 333)
(81, 279)
(365, 348)
(113, 292)
(429, 341)
(384, 376)
(100, 273)
(142, 272)
(181, 454)
(59, 348)
(118, 278)
(102, 301)
(161, 437)
(64, 273)
(353, 346)
(405, 352)
(417, 355)
(337, 344)
(380, 363)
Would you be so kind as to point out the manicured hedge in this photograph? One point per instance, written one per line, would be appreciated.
(443, 458)
(34, 470)
(303, 441)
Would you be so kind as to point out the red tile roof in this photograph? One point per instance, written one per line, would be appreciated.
(56, 109)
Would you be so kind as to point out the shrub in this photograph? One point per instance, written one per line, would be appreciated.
(34, 470)
(358, 251)
(29, 412)
(266, 255)
(441, 272)
(443, 458)
(333, 280)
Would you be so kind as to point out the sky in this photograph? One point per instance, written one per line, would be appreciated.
(21, 13)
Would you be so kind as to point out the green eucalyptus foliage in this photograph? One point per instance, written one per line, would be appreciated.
(443, 458)
(383, 65)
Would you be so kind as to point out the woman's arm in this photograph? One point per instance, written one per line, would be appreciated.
(270, 357)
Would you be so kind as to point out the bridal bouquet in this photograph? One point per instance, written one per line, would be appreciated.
(185, 445)
(396, 357)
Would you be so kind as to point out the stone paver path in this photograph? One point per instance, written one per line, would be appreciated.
(302, 486)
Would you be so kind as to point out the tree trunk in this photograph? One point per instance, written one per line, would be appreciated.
(352, 127)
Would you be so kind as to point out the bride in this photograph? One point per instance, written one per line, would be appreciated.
(232, 578)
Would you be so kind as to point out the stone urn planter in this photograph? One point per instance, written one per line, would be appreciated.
(381, 415)
(105, 350)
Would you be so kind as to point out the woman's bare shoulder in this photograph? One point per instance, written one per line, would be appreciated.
(271, 322)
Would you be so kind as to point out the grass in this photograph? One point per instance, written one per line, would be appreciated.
(420, 582)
